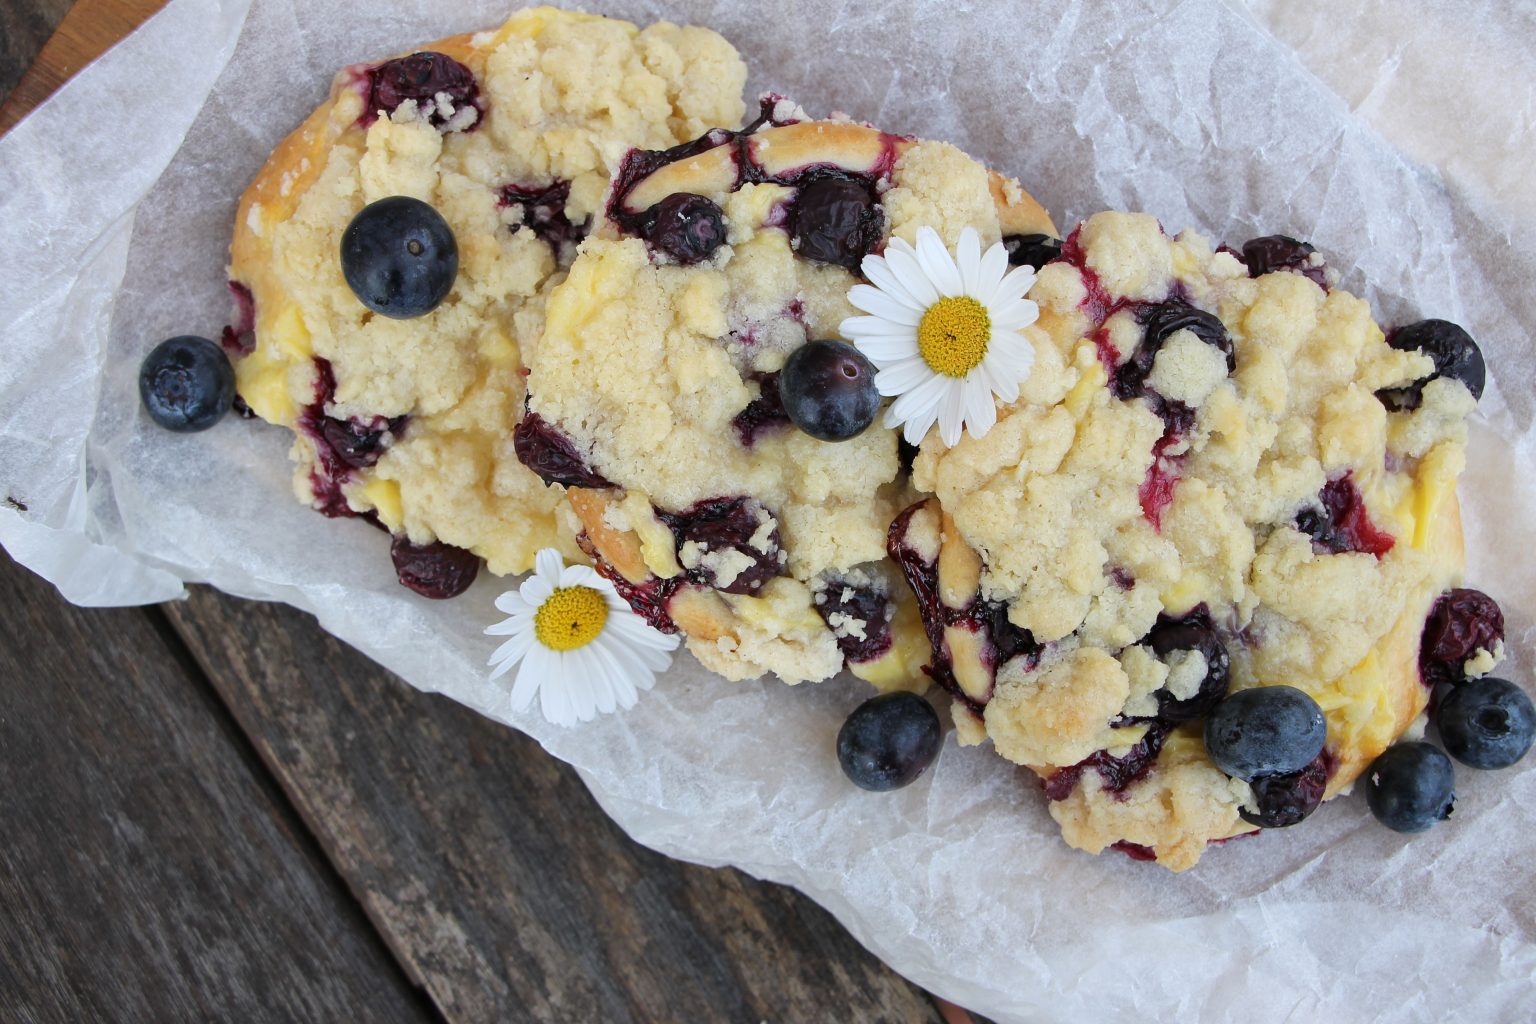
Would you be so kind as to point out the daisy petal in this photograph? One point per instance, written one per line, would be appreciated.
(874, 327)
(900, 377)
(531, 676)
(884, 305)
(536, 590)
(952, 416)
(517, 623)
(885, 352)
(1015, 315)
(910, 273)
(548, 563)
(980, 409)
(1014, 285)
(929, 393)
(882, 277)
(510, 653)
(512, 603)
(994, 264)
(968, 261)
(937, 263)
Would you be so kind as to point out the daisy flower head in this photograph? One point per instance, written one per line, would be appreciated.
(581, 649)
(944, 332)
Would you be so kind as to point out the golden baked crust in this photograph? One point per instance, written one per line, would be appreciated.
(428, 405)
(648, 366)
(1235, 479)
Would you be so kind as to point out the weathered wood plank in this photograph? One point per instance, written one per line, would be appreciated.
(81, 32)
(148, 872)
(491, 870)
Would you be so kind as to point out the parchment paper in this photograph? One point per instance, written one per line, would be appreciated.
(1398, 142)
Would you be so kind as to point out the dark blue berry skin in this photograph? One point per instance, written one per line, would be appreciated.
(888, 741)
(1410, 787)
(1031, 250)
(1453, 350)
(835, 220)
(187, 384)
(1487, 723)
(828, 390)
(399, 257)
(1266, 730)
(687, 227)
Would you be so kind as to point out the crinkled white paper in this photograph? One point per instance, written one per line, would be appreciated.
(1397, 139)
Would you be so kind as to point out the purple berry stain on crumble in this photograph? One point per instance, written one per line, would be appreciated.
(1461, 623)
(552, 455)
(841, 602)
(440, 86)
(1342, 523)
(763, 414)
(648, 599)
(715, 526)
(239, 338)
(1004, 640)
(341, 446)
(543, 209)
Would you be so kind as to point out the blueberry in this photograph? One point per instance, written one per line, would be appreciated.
(835, 220)
(1461, 623)
(1455, 354)
(1194, 632)
(552, 455)
(888, 741)
(1282, 252)
(718, 525)
(1280, 801)
(1266, 730)
(434, 570)
(828, 390)
(186, 384)
(1410, 787)
(1159, 323)
(1031, 250)
(1487, 723)
(399, 257)
(422, 77)
(686, 227)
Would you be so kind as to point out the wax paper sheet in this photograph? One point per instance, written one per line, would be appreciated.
(1395, 137)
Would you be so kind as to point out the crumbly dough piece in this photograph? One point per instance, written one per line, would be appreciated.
(1195, 446)
(411, 421)
(660, 376)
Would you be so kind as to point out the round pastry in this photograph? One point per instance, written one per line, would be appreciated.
(1220, 475)
(511, 136)
(655, 391)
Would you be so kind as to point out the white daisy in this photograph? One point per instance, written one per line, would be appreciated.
(583, 651)
(944, 332)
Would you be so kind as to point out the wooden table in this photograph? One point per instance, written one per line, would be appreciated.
(212, 810)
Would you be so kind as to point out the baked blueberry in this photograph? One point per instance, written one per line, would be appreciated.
(552, 455)
(1031, 250)
(1265, 730)
(1194, 632)
(1280, 801)
(687, 227)
(1455, 354)
(429, 79)
(434, 570)
(1410, 787)
(828, 390)
(1461, 623)
(731, 544)
(835, 220)
(1159, 323)
(186, 383)
(399, 257)
(1487, 723)
(1282, 252)
(888, 741)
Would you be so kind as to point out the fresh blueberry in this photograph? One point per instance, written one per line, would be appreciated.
(686, 227)
(1265, 730)
(828, 390)
(1282, 252)
(888, 741)
(1487, 723)
(1410, 787)
(1461, 623)
(399, 257)
(835, 220)
(1031, 250)
(1455, 354)
(434, 570)
(1280, 801)
(186, 384)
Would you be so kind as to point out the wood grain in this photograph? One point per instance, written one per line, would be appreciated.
(85, 32)
(491, 871)
(148, 871)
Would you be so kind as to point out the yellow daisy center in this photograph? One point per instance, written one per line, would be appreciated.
(571, 618)
(953, 335)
